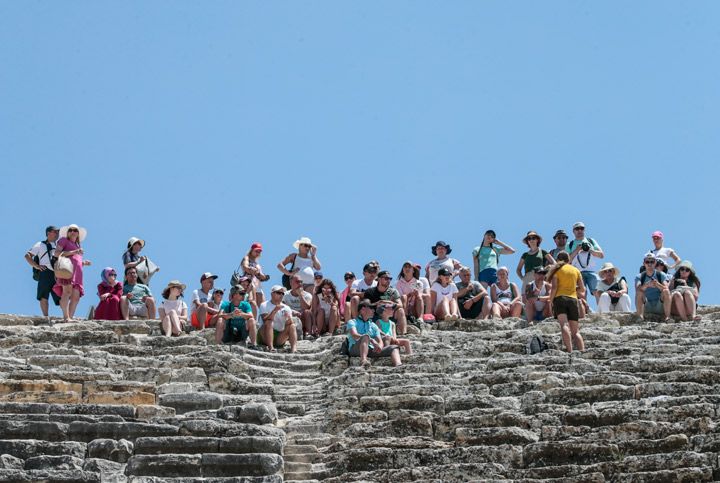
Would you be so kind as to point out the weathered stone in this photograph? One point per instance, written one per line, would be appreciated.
(105, 467)
(9, 462)
(558, 453)
(409, 401)
(258, 464)
(65, 462)
(494, 436)
(110, 449)
(25, 449)
(167, 465)
(253, 413)
(80, 431)
(191, 401)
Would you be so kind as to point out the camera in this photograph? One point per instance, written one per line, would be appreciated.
(585, 246)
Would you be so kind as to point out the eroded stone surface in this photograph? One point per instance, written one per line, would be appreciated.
(114, 401)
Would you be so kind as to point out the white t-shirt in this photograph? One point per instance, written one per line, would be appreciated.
(664, 253)
(280, 318)
(443, 292)
(200, 297)
(306, 272)
(360, 284)
(583, 261)
(177, 305)
(435, 265)
(426, 284)
(40, 250)
(294, 301)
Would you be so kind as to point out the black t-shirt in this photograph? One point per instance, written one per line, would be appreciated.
(374, 295)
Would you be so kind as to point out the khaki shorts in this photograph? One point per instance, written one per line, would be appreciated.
(137, 310)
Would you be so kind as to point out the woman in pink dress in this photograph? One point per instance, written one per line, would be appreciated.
(71, 289)
(110, 291)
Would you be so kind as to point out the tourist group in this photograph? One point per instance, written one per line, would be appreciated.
(370, 309)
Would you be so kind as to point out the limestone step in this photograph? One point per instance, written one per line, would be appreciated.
(205, 465)
(194, 445)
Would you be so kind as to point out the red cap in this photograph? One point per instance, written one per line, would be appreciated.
(256, 246)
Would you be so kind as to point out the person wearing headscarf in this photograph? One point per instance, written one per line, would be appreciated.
(110, 292)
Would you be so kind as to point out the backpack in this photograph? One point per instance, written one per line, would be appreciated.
(345, 348)
(616, 287)
(286, 278)
(536, 344)
(36, 259)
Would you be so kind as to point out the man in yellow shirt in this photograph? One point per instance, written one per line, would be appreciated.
(567, 285)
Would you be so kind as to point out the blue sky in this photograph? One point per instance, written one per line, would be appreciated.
(375, 128)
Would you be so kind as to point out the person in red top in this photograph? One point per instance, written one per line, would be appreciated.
(110, 292)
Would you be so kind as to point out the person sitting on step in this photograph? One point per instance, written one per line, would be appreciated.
(365, 339)
(612, 290)
(276, 323)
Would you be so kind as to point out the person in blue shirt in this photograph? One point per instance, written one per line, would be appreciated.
(652, 294)
(365, 338)
(237, 319)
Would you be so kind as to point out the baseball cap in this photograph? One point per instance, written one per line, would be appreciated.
(278, 288)
(256, 246)
(578, 224)
(658, 233)
(444, 271)
(51, 228)
(207, 275)
(560, 233)
(384, 273)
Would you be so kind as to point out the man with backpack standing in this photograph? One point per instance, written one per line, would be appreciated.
(41, 258)
(583, 252)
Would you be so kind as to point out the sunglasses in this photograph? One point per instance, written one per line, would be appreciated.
(386, 278)
(112, 274)
(74, 229)
(650, 262)
(683, 269)
(305, 245)
(579, 229)
(532, 238)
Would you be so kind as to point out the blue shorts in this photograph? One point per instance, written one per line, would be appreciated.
(590, 280)
(489, 276)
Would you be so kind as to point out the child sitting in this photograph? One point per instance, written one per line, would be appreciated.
(387, 328)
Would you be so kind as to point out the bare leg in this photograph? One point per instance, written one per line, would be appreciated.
(348, 312)
(363, 348)
(516, 309)
(667, 304)
(177, 327)
(395, 357)
(260, 298)
(167, 325)
(201, 314)
(401, 320)
(150, 304)
(442, 311)
(124, 309)
(690, 303)
(318, 322)
(354, 301)
(405, 344)
(640, 303)
(496, 307)
(219, 330)
(454, 309)
(334, 320)
(567, 340)
(678, 305)
(74, 299)
(486, 307)
(44, 307)
(267, 334)
(427, 300)
(575, 331)
(251, 327)
(547, 310)
(530, 312)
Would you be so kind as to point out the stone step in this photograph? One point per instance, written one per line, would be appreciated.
(195, 445)
(205, 465)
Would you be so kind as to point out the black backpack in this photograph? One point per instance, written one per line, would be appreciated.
(536, 344)
(36, 259)
(345, 348)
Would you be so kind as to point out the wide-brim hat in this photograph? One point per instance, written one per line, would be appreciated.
(133, 240)
(686, 264)
(176, 283)
(82, 231)
(609, 266)
(440, 244)
(532, 233)
(302, 241)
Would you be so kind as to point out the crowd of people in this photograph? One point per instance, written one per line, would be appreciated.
(371, 310)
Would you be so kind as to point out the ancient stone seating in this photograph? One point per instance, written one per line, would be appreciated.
(114, 401)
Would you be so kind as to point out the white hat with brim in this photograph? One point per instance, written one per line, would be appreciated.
(82, 231)
(176, 283)
(686, 264)
(609, 266)
(302, 241)
(133, 240)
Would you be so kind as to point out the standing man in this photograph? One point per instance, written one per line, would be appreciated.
(560, 238)
(40, 257)
(583, 252)
(203, 315)
(383, 291)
